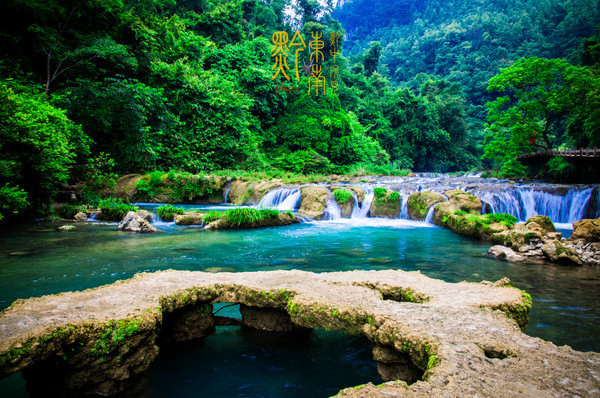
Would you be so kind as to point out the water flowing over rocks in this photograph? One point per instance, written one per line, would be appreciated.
(420, 202)
(386, 204)
(447, 339)
(133, 222)
(250, 192)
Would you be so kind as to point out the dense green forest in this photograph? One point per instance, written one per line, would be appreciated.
(91, 89)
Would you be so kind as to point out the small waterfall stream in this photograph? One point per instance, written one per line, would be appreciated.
(333, 210)
(281, 199)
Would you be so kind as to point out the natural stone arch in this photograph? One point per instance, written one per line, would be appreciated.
(456, 334)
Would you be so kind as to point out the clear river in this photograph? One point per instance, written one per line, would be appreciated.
(36, 260)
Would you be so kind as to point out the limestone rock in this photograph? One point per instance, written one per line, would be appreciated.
(587, 229)
(250, 192)
(133, 222)
(313, 203)
(80, 217)
(348, 205)
(66, 228)
(146, 215)
(557, 252)
(268, 319)
(190, 218)
(541, 224)
(420, 202)
(464, 201)
(360, 193)
(125, 187)
(505, 253)
(443, 210)
(385, 204)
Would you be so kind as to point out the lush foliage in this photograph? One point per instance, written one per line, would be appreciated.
(342, 195)
(68, 211)
(115, 209)
(167, 212)
(247, 215)
(211, 216)
(542, 104)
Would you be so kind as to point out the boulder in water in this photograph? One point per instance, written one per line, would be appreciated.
(65, 228)
(465, 201)
(443, 211)
(133, 222)
(191, 218)
(80, 216)
(386, 204)
(505, 253)
(587, 229)
(146, 215)
(345, 200)
(542, 224)
(314, 202)
(250, 192)
(558, 252)
(420, 202)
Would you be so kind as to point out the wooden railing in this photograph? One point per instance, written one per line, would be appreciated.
(566, 153)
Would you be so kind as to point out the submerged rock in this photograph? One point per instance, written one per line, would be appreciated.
(465, 339)
(314, 201)
(420, 202)
(133, 222)
(66, 228)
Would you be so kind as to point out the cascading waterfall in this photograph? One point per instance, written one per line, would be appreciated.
(226, 193)
(363, 210)
(281, 199)
(525, 202)
(333, 210)
(404, 206)
(429, 217)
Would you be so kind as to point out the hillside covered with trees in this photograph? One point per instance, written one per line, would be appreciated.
(92, 89)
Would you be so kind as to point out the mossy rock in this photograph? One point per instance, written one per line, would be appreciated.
(543, 224)
(464, 201)
(443, 210)
(420, 202)
(474, 226)
(587, 229)
(285, 218)
(345, 201)
(250, 192)
(385, 204)
(125, 187)
(314, 202)
(189, 218)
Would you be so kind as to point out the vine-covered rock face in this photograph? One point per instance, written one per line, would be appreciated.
(447, 339)
(314, 202)
(385, 203)
(420, 202)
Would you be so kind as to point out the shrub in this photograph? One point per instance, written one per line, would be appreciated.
(188, 186)
(100, 173)
(381, 195)
(115, 209)
(304, 161)
(248, 215)
(147, 189)
(211, 216)
(507, 219)
(13, 200)
(167, 212)
(342, 195)
(68, 210)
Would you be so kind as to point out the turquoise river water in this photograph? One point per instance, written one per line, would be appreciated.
(37, 260)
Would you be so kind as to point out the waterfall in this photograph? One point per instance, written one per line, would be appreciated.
(429, 217)
(404, 206)
(333, 210)
(226, 193)
(281, 199)
(363, 210)
(525, 202)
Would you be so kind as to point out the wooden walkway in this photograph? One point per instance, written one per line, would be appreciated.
(580, 153)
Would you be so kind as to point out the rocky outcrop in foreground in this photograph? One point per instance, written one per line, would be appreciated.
(447, 340)
(536, 241)
(134, 222)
